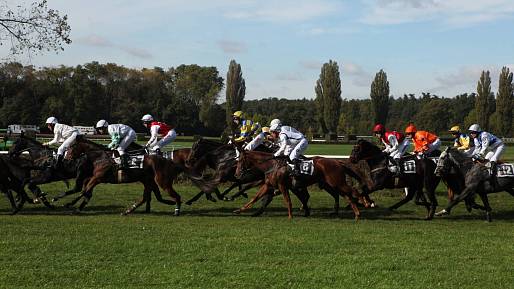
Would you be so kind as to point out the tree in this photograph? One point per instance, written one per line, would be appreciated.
(380, 97)
(482, 100)
(235, 91)
(34, 28)
(434, 115)
(328, 98)
(504, 103)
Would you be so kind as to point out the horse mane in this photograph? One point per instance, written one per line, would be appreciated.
(367, 145)
(458, 155)
(85, 140)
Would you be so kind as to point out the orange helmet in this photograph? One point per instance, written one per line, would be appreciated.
(410, 129)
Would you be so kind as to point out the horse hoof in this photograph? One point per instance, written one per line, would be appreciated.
(54, 200)
(177, 212)
(442, 213)
(237, 212)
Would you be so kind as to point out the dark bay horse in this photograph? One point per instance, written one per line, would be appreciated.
(476, 178)
(155, 171)
(330, 174)
(222, 158)
(42, 157)
(13, 171)
(382, 178)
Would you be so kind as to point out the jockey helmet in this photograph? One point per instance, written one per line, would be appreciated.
(238, 114)
(265, 129)
(147, 118)
(474, 128)
(379, 128)
(101, 123)
(276, 121)
(410, 129)
(454, 129)
(51, 120)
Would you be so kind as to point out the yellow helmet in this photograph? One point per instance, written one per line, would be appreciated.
(265, 129)
(454, 129)
(238, 114)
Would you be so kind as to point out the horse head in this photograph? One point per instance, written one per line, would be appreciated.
(449, 158)
(364, 150)
(24, 143)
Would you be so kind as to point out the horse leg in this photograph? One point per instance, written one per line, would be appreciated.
(410, 195)
(195, 198)
(287, 200)
(488, 208)
(87, 193)
(349, 193)
(40, 196)
(266, 200)
(80, 182)
(243, 191)
(468, 191)
(228, 190)
(263, 190)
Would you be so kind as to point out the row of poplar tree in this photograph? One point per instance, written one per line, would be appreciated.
(189, 96)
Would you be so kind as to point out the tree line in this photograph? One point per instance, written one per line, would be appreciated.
(188, 96)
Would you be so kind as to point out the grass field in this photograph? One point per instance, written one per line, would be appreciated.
(208, 247)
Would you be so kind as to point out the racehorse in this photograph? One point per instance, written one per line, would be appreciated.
(382, 178)
(155, 170)
(222, 159)
(477, 179)
(41, 157)
(12, 173)
(330, 174)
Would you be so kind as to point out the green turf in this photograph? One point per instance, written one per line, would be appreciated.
(208, 247)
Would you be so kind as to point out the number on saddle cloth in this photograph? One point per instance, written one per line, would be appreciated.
(306, 167)
(504, 171)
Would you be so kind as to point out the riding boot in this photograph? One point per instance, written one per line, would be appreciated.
(494, 171)
(296, 167)
(398, 168)
(58, 162)
(124, 161)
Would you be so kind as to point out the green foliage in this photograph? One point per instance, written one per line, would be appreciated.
(504, 103)
(35, 28)
(482, 104)
(434, 116)
(328, 97)
(235, 91)
(380, 97)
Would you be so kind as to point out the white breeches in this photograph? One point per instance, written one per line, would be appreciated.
(434, 146)
(167, 139)
(67, 143)
(125, 142)
(297, 150)
(495, 151)
(400, 150)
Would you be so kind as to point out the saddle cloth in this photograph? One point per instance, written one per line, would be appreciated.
(134, 162)
(409, 166)
(504, 171)
(306, 167)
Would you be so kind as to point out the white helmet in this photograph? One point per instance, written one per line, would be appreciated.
(147, 117)
(275, 125)
(102, 123)
(51, 120)
(474, 127)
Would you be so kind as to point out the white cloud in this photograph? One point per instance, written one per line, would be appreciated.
(99, 41)
(453, 13)
(229, 46)
(284, 11)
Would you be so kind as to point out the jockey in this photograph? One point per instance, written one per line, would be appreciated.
(246, 127)
(258, 139)
(486, 142)
(121, 137)
(424, 142)
(461, 140)
(292, 142)
(156, 128)
(64, 134)
(395, 144)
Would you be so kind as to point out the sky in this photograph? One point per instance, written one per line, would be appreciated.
(432, 46)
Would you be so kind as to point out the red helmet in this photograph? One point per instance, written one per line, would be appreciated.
(379, 128)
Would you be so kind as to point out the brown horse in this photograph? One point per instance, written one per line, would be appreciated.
(155, 171)
(330, 174)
